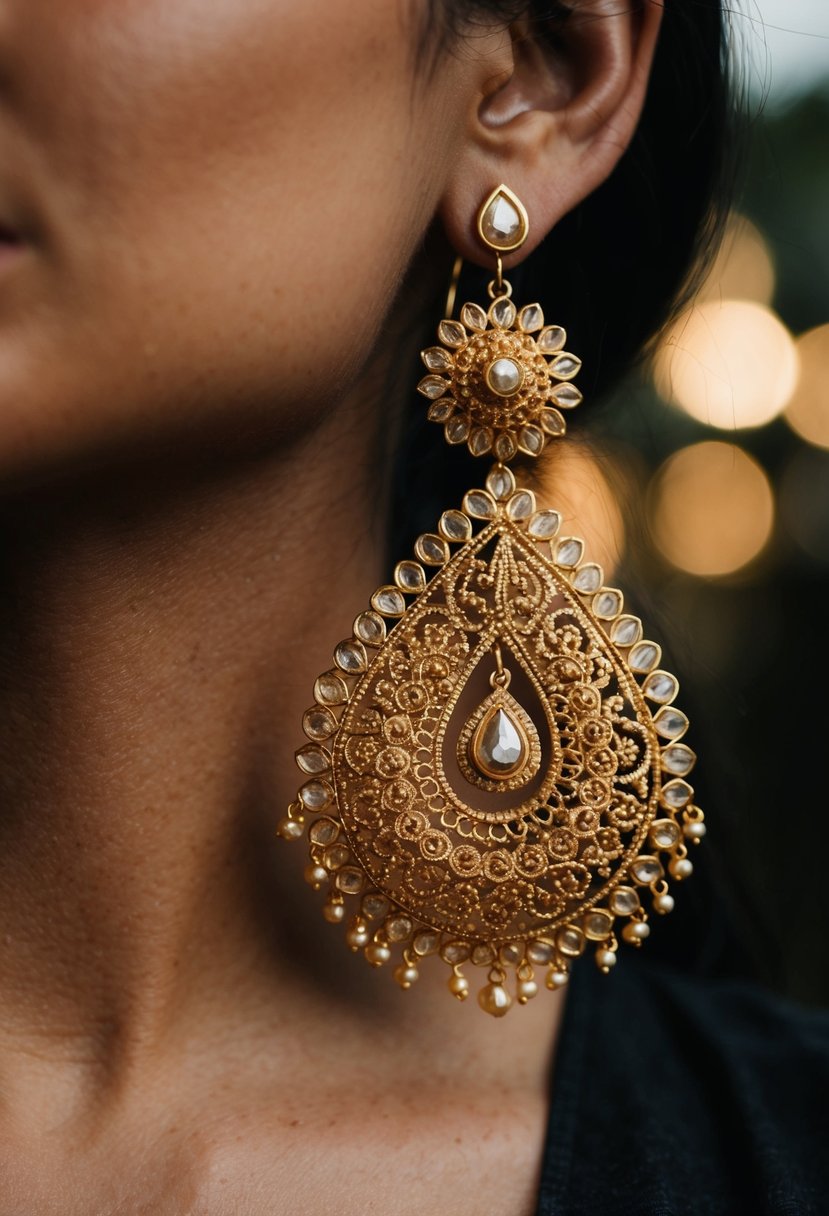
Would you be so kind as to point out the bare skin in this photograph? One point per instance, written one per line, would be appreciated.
(189, 344)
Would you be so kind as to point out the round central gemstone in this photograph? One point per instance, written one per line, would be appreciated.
(505, 376)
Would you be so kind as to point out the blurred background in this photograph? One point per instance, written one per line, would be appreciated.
(710, 473)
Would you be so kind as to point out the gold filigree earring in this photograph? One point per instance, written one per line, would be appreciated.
(494, 773)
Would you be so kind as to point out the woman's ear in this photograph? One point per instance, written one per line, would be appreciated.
(553, 125)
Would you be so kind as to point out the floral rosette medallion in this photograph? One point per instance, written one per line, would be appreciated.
(495, 773)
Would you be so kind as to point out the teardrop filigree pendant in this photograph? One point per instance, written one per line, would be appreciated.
(495, 773)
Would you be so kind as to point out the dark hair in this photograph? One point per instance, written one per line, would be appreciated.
(617, 267)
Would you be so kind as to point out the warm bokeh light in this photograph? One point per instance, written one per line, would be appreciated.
(743, 268)
(808, 410)
(712, 508)
(571, 481)
(729, 364)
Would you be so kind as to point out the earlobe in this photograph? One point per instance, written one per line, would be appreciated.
(556, 127)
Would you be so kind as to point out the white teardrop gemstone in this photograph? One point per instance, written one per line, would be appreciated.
(502, 225)
(499, 746)
(505, 377)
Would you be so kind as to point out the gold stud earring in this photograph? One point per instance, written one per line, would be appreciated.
(495, 773)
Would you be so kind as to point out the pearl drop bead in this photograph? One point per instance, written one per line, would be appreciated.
(636, 931)
(695, 830)
(333, 913)
(557, 979)
(315, 876)
(377, 954)
(357, 937)
(406, 976)
(526, 990)
(664, 903)
(289, 829)
(495, 999)
(459, 986)
(681, 867)
(605, 959)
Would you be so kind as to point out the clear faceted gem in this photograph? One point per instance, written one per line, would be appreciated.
(551, 340)
(499, 746)
(569, 552)
(661, 687)
(350, 880)
(479, 505)
(313, 759)
(316, 795)
(457, 430)
(678, 759)
(589, 578)
(502, 312)
(664, 833)
(544, 525)
(565, 366)
(370, 628)
(454, 525)
(437, 359)
(570, 941)
(410, 577)
(677, 794)
(351, 656)
(510, 954)
(473, 317)
(521, 505)
(324, 832)
(426, 942)
(455, 952)
(330, 689)
(505, 376)
(374, 905)
(451, 333)
(335, 855)
(670, 723)
(552, 422)
(389, 601)
(608, 604)
(531, 318)
(398, 928)
(626, 630)
(501, 482)
(480, 441)
(439, 411)
(482, 955)
(646, 869)
(531, 440)
(644, 656)
(597, 925)
(318, 723)
(432, 549)
(567, 396)
(432, 387)
(623, 901)
(541, 951)
(505, 446)
(501, 223)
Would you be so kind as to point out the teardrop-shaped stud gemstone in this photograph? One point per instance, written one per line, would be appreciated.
(502, 221)
(499, 743)
(499, 747)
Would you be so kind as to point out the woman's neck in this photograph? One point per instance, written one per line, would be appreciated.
(160, 645)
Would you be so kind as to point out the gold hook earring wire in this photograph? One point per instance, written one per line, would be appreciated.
(453, 288)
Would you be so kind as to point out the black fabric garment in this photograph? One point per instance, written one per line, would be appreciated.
(685, 1094)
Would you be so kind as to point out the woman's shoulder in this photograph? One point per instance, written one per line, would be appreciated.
(676, 1093)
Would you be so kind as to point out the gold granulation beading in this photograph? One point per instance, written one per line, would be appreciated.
(495, 773)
